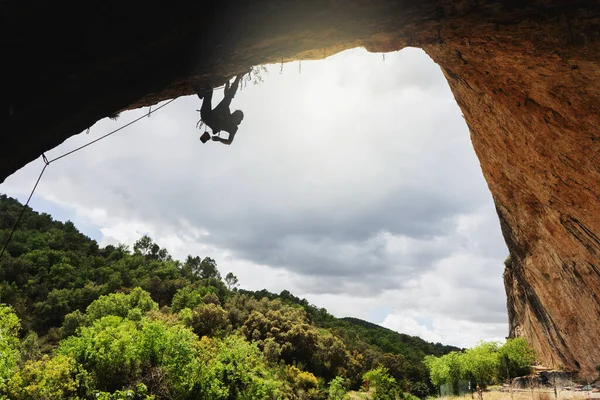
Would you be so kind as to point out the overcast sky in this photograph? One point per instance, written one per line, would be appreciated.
(353, 184)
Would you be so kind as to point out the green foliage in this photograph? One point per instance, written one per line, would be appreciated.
(139, 393)
(367, 345)
(302, 380)
(71, 322)
(49, 378)
(9, 343)
(438, 370)
(384, 384)
(189, 297)
(411, 347)
(196, 268)
(446, 369)
(485, 364)
(271, 350)
(108, 350)
(209, 320)
(480, 364)
(118, 352)
(231, 369)
(232, 281)
(29, 348)
(146, 247)
(408, 396)
(337, 389)
(113, 343)
(121, 304)
(515, 358)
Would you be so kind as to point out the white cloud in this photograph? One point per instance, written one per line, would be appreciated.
(353, 184)
(446, 330)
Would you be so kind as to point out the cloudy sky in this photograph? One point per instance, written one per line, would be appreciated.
(353, 184)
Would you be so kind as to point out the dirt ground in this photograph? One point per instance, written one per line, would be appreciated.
(352, 395)
(538, 394)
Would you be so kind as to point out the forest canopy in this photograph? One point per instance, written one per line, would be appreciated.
(82, 321)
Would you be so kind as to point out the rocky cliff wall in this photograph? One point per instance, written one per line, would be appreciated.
(526, 75)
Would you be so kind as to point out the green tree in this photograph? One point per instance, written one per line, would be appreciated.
(30, 348)
(272, 350)
(120, 304)
(337, 390)
(72, 322)
(166, 350)
(209, 320)
(189, 296)
(231, 280)
(48, 378)
(9, 343)
(143, 245)
(330, 356)
(208, 269)
(108, 350)
(480, 364)
(384, 384)
(515, 358)
(118, 352)
(52, 273)
(445, 369)
(139, 393)
(231, 369)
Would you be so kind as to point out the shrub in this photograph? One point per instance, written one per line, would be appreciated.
(337, 391)
(121, 304)
(384, 384)
(48, 378)
(9, 342)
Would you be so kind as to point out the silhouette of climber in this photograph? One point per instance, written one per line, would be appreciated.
(221, 118)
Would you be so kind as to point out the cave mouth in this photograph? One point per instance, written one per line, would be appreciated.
(352, 182)
(525, 75)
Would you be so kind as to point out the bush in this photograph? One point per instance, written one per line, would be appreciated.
(72, 321)
(337, 390)
(139, 393)
(9, 342)
(408, 396)
(230, 369)
(30, 348)
(118, 352)
(48, 378)
(209, 320)
(385, 385)
(515, 358)
(108, 350)
(121, 304)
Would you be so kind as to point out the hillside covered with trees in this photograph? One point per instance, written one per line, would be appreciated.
(82, 321)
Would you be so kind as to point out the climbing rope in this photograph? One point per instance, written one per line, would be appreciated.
(48, 162)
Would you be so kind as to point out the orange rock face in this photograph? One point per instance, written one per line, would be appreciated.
(526, 75)
(533, 109)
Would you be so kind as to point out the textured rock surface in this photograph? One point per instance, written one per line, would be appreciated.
(526, 75)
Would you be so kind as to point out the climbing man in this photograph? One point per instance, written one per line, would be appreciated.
(221, 118)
